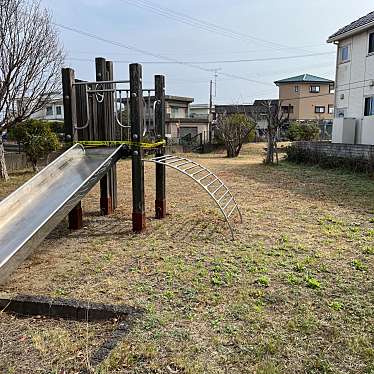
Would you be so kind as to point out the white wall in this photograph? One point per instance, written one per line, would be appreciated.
(353, 81)
(42, 114)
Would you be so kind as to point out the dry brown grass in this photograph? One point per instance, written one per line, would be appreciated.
(292, 294)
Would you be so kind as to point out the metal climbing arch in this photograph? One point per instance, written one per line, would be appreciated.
(216, 189)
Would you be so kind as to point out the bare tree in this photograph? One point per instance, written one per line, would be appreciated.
(271, 111)
(31, 57)
(234, 130)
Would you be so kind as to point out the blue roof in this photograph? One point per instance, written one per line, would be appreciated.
(304, 78)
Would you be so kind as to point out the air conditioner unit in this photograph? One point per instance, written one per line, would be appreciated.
(371, 83)
(342, 97)
(344, 130)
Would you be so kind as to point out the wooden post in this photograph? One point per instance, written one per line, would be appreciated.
(136, 115)
(106, 204)
(70, 120)
(76, 217)
(160, 203)
(69, 98)
(111, 106)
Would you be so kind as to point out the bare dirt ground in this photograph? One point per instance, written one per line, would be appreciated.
(294, 293)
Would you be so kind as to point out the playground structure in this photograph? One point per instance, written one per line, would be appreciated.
(106, 121)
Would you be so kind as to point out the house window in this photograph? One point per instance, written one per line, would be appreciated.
(49, 111)
(287, 109)
(331, 88)
(319, 109)
(371, 42)
(315, 89)
(174, 112)
(344, 54)
(296, 88)
(330, 109)
(369, 106)
(58, 110)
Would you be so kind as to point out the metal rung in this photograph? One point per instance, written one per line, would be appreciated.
(184, 163)
(235, 206)
(217, 189)
(191, 167)
(227, 204)
(161, 157)
(198, 172)
(208, 185)
(172, 162)
(223, 196)
(205, 177)
(99, 82)
(103, 90)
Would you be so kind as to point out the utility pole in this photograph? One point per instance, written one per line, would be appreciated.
(210, 116)
(215, 82)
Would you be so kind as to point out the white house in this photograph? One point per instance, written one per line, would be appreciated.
(53, 111)
(354, 88)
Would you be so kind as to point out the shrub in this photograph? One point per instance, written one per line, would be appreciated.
(303, 131)
(57, 126)
(37, 139)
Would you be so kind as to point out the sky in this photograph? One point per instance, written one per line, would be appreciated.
(192, 41)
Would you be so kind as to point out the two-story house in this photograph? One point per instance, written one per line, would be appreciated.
(354, 95)
(307, 97)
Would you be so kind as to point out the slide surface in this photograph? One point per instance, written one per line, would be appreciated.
(30, 213)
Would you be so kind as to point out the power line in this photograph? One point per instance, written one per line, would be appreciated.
(231, 61)
(237, 61)
(204, 25)
(193, 51)
(142, 51)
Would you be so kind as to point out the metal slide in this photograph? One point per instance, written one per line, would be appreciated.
(213, 185)
(30, 213)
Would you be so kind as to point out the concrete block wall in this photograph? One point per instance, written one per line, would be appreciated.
(345, 151)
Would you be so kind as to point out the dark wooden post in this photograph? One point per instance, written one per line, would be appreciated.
(160, 203)
(111, 106)
(106, 204)
(70, 120)
(136, 115)
(76, 217)
(70, 109)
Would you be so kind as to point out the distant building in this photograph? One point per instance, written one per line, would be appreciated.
(200, 110)
(53, 111)
(354, 97)
(179, 123)
(307, 97)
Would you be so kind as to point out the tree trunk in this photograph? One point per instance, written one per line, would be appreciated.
(270, 150)
(3, 169)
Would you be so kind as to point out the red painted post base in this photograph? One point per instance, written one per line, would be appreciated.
(160, 208)
(76, 218)
(106, 206)
(138, 222)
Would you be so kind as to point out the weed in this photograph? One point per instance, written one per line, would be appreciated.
(263, 281)
(369, 250)
(312, 282)
(293, 279)
(358, 265)
(336, 305)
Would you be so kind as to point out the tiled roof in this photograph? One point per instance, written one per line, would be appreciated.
(304, 78)
(369, 18)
